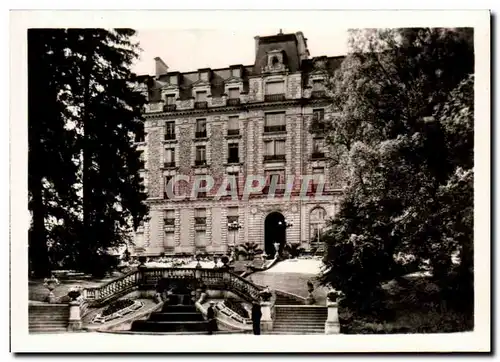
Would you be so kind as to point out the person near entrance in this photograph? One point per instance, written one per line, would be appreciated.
(256, 316)
(212, 321)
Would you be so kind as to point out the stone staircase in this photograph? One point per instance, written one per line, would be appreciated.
(48, 318)
(174, 318)
(299, 319)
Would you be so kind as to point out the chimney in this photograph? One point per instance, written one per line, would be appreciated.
(160, 67)
(257, 39)
(302, 45)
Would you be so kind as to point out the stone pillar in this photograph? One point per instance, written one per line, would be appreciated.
(75, 319)
(332, 324)
(266, 322)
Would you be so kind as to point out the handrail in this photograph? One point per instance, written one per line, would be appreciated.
(149, 277)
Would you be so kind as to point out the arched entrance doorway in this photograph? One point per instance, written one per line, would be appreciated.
(274, 232)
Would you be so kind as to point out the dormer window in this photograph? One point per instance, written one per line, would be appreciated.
(236, 73)
(234, 93)
(204, 75)
(275, 61)
(170, 99)
(201, 96)
(173, 80)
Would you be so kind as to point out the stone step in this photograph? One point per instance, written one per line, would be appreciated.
(298, 323)
(180, 308)
(298, 328)
(293, 333)
(174, 316)
(162, 326)
(47, 329)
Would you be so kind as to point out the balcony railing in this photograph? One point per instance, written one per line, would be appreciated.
(169, 221)
(233, 160)
(233, 132)
(274, 157)
(200, 134)
(201, 105)
(274, 97)
(169, 107)
(279, 128)
(200, 162)
(169, 136)
(316, 155)
(200, 220)
(169, 164)
(318, 94)
(233, 102)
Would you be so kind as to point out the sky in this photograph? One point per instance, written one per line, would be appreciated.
(186, 50)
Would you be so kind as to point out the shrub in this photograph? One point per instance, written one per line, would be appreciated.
(117, 306)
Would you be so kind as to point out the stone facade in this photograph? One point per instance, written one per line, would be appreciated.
(185, 234)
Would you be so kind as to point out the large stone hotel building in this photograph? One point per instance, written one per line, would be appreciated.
(242, 121)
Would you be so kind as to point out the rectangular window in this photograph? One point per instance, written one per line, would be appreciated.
(168, 186)
(170, 99)
(200, 216)
(318, 145)
(201, 96)
(170, 130)
(234, 93)
(275, 88)
(169, 218)
(233, 180)
(201, 125)
(201, 154)
(170, 155)
(169, 241)
(200, 238)
(233, 125)
(318, 115)
(318, 85)
(275, 122)
(235, 72)
(173, 80)
(276, 147)
(233, 153)
(275, 177)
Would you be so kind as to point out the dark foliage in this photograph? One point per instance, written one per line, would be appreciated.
(405, 138)
(86, 195)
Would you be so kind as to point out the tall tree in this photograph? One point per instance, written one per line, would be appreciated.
(52, 168)
(405, 136)
(99, 101)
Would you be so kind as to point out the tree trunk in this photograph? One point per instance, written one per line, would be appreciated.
(38, 250)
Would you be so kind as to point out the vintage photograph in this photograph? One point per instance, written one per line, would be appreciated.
(285, 182)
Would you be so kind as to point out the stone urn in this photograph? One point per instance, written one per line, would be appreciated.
(51, 284)
(74, 293)
(266, 295)
(216, 260)
(142, 261)
(198, 258)
(332, 295)
(225, 261)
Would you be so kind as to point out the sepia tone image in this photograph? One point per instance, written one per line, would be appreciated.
(284, 186)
